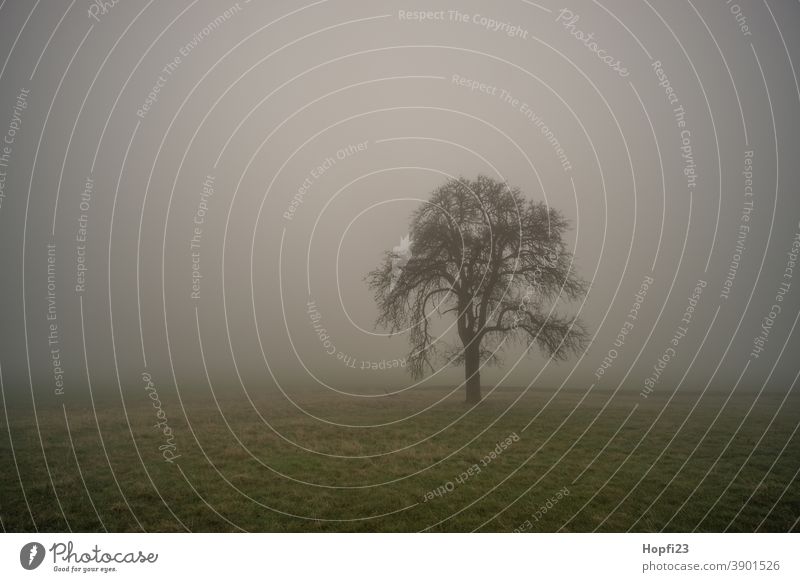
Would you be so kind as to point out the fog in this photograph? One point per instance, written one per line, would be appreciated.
(203, 171)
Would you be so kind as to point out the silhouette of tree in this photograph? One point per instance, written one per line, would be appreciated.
(498, 262)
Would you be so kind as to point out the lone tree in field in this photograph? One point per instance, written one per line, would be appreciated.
(496, 261)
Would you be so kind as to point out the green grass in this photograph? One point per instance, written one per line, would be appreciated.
(257, 481)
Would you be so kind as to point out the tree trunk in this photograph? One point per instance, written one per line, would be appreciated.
(472, 363)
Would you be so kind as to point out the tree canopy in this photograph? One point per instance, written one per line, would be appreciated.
(495, 260)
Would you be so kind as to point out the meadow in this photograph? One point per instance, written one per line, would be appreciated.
(541, 460)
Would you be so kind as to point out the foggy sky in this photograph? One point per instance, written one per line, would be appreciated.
(281, 95)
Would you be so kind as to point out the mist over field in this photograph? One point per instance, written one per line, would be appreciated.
(193, 196)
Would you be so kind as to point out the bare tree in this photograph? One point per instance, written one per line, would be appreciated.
(495, 260)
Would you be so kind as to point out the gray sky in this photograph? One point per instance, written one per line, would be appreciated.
(252, 101)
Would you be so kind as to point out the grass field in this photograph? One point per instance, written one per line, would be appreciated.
(727, 467)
